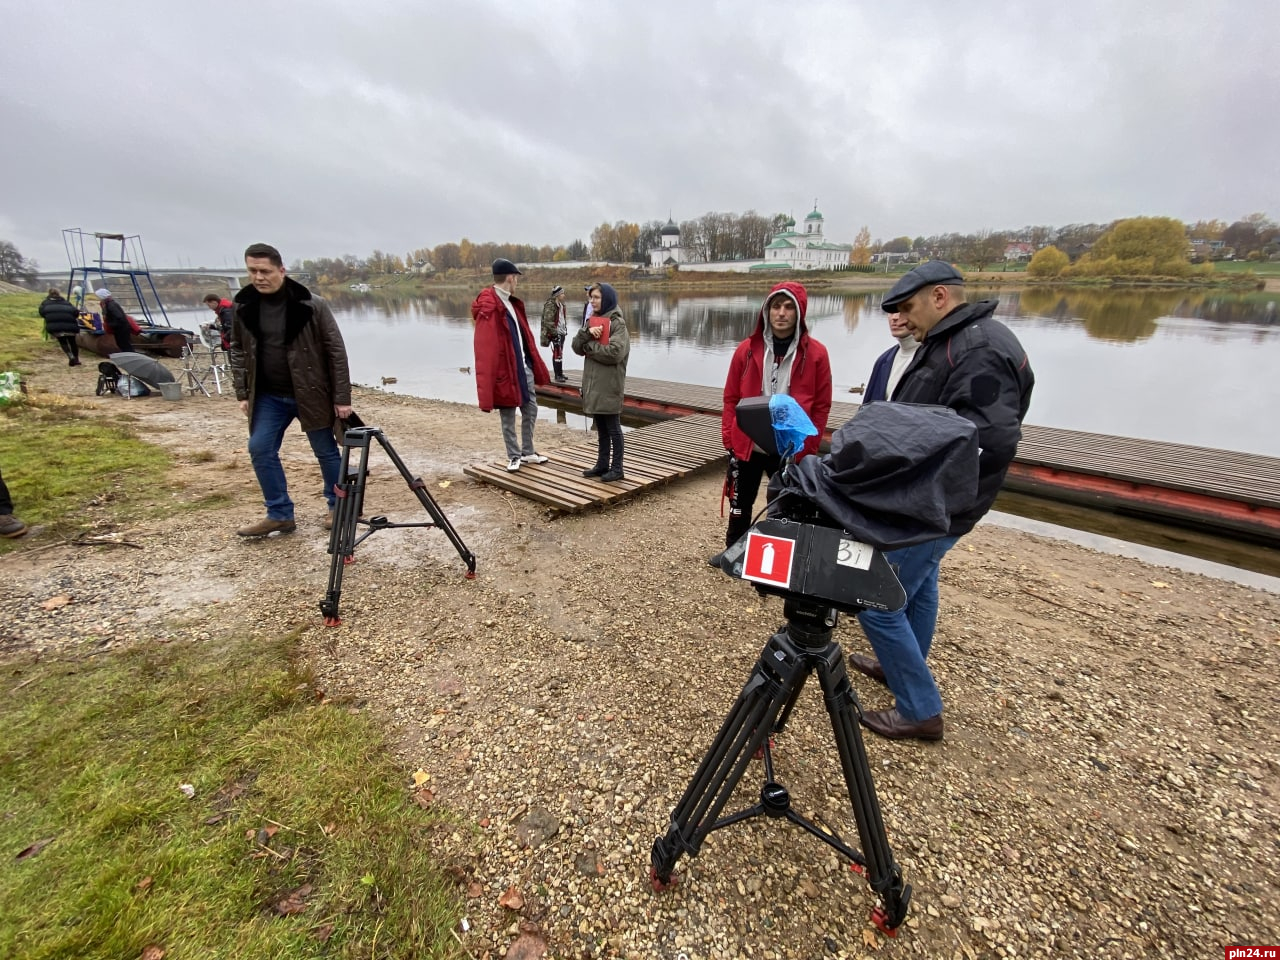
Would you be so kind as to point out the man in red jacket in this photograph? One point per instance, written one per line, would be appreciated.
(508, 368)
(779, 358)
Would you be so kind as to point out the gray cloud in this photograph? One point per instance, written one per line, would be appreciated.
(331, 128)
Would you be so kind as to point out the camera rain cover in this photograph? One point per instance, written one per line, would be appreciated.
(896, 474)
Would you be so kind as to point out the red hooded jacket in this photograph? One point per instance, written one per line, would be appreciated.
(810, 377)
(496, 383)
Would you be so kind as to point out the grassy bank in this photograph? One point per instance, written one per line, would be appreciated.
(21, 330)
(299, 838)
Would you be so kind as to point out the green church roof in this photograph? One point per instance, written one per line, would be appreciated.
(815, 215)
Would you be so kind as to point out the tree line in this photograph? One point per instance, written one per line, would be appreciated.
(733, 236)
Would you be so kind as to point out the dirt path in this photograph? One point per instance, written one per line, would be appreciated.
(1107, 788)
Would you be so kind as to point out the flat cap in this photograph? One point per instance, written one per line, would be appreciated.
(503, 268)
(928, 274)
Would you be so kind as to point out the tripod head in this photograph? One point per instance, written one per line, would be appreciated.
(799, 553)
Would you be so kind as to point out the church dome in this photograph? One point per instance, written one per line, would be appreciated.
(670, 230)
(815, 215)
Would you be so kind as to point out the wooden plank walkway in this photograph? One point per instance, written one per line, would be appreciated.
(1239, 492)
(654, 455)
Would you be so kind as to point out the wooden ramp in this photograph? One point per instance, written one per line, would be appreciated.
(653, 456)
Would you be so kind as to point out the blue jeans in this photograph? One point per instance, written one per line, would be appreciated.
(901, 639)
(271, 417)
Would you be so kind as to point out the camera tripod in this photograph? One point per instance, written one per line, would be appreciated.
(800, 647)
(348, 510)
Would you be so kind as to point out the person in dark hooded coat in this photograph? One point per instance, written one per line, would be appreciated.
(781, 356)
(62, 322)
(605, 347)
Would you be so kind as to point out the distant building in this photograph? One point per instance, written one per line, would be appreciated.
(1019, 250)
(806, 249)
(669, 251)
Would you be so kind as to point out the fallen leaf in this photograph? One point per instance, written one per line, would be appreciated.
(152, 952)
(187, 789)
(35, 848)
(512, 899)
(869, 939)
(210, 821)
(1160, 583)
(143, 885)
(330, 829)
(420, 777)
(474, 891)
(53, 603)
(323, 932)
(423, 797)
(295, 902)
(527, 946)
(443, 484)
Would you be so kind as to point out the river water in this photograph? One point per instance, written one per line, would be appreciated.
(1199, 368)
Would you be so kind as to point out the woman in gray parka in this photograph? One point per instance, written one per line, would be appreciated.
(604, 346)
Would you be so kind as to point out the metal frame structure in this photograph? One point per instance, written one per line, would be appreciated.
(94, 255)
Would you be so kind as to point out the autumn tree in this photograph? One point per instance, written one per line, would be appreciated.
(1140, 246)
(860, 255)
(1249, 235)
(1048, 262)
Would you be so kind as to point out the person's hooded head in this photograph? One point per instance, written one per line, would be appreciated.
(102, 293)
(608, 298)
(783, 311)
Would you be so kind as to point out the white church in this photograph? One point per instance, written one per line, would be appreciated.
(807, 249)
(790, 249)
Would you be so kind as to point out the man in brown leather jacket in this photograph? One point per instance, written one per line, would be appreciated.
(287, 362)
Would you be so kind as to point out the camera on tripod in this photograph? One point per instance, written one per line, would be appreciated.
(799, 552)
(895, 475)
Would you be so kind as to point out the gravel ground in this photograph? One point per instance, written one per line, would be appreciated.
(1107, 787)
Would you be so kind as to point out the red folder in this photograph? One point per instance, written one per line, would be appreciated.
(603, 326)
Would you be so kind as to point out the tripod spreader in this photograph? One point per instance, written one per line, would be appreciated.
(802, 646)
(349, 505)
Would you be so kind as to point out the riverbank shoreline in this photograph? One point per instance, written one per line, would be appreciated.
(1109, 785)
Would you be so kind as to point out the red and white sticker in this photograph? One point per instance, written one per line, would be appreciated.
(768, 559)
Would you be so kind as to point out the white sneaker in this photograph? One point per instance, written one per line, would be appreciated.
(534, 458)
(514, 465)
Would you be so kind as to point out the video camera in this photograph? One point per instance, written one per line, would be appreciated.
(799, 552)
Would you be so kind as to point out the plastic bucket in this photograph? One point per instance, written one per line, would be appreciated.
(171, 391)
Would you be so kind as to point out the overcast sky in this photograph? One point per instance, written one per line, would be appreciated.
(329, 128)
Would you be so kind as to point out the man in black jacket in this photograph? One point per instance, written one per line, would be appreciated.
(288, 361)
(968, 361)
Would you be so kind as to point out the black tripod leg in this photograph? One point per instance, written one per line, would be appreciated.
(437, 515)
(743, 733)
(883, 874)
(348, 494)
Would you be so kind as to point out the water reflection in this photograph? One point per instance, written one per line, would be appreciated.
(1174, 365)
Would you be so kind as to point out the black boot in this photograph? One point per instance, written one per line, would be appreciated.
(615, 467)
(559, 368)
(599, 470)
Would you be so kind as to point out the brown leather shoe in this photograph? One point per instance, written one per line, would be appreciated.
(868, 667)
(893, 726)
(266, 527)
(328, 521)
(11, 527)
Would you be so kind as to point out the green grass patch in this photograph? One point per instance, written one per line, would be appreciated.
(56, 463)
(1264, 268)
(21, 330)
(300, 840)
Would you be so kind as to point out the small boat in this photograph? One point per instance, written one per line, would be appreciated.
(158, 341)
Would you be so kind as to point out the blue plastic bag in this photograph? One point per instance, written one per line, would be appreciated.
(791, 425)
